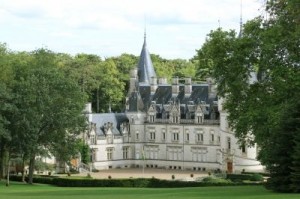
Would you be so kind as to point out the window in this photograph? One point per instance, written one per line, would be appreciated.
(163, 136)
(151, 118)
(137, 136)
(199, 137)
(109, 153)
(199, 154)
(152, 136)
(174, 153)
(187, 135)
(228, 143)
(212, 138)
(175, 137)
(199, 118)
(187, 138)
(93, 139)
(151, 152)
(243, 148)
(125, 152)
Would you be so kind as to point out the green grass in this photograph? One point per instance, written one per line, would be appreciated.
(39, 191)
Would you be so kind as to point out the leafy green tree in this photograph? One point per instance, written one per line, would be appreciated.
(48, 106)
(269, 48)
(110, 91)
(85, 153)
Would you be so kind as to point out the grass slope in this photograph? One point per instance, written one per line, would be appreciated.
(39, 191)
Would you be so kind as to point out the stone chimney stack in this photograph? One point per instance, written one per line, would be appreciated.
(162, 80)
(175, 86)
(133, 80)
(188, 87)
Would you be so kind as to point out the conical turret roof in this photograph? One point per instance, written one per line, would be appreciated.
(145, 67)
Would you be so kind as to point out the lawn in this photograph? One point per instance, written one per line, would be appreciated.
(38, 191)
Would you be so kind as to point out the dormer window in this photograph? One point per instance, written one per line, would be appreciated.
(199, 118)
(151, 118)
(93, 139)
(174, 119)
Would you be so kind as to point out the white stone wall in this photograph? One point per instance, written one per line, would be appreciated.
(176, 146)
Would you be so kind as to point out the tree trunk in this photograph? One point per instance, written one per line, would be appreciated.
(23, 168)
(31, 169)
(8, 171)
(2, 162)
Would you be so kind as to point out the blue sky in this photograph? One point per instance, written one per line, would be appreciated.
(175, 28)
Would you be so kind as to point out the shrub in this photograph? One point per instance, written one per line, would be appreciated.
(216, 180)
(257, 177)
(245, 177)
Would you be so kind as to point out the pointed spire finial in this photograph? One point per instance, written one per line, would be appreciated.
(145, 28)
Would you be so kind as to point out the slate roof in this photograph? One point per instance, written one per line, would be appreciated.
(141, 99)
(115, 118)
(145, 66)
(135, 102)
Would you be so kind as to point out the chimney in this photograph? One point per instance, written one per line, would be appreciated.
(133, 80)
(188, 87)
(162, 80)
(175, 86)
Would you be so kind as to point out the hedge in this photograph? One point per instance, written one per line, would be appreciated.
(260, 173)
(132, 182)
(242, 177)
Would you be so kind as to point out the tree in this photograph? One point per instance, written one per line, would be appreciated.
(48, 106)
(269, 48)
(110, 91)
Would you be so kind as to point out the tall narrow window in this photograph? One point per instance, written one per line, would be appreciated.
(125, 152)
(243, 148)
(163, 136)
(93, 139)
(137, 136)
(212, 138)
(151, 118)
(109, 153)
(199, 137)
(228, 143)
(175, 137)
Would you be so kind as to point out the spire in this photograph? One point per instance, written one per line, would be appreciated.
(145, 67)
(241, 20)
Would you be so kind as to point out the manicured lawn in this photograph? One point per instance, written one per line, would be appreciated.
(38, 191)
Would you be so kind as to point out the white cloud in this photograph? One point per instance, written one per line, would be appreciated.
(119, 23)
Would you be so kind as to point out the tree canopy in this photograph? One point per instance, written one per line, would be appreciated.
(258, 74)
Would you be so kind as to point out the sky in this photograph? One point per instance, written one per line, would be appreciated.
(174, 28)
